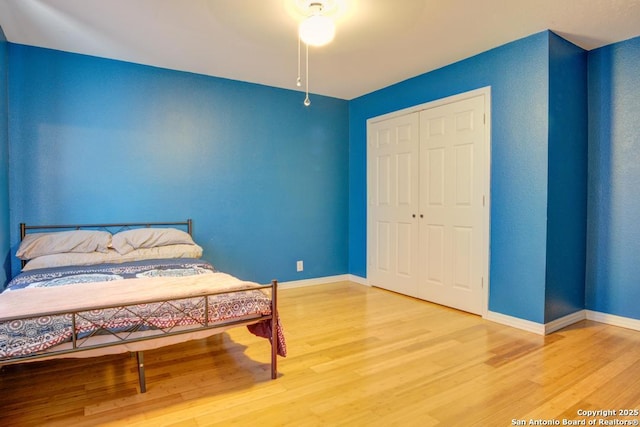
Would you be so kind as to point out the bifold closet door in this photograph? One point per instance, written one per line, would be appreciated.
(452, 162)
(392, 225)
(427, 219)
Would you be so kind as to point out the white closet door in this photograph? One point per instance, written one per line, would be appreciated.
(452, 161)
(392, 225)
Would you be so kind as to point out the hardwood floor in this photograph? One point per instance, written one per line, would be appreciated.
(358, 356)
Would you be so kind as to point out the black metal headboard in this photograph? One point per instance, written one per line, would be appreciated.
(124, 226)
(107, 227)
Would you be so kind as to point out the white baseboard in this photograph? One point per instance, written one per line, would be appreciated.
(564, 321)
(535, 327)
(515, 322)
(612, 319)
(547, 328)
(314, 281)
(360, 280)
(323, 281)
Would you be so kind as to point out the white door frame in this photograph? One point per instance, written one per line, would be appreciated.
(486, 185)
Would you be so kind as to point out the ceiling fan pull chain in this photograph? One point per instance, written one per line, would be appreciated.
(298, 80)
(307, 101)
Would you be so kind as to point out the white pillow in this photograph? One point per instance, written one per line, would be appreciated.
(112, 256)
(138, 238)
(77, 241)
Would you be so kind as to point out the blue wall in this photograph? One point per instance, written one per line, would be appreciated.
(518, 74)
(264, 178)
(565, 172)
(269, 182)
(613, 243)
(567, 200)
(5, 256)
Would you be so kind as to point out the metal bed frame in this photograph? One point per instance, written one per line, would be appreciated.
(79, 344)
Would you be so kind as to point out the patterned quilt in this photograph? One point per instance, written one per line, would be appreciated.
(25, 336)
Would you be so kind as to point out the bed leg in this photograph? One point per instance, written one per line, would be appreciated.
(141, 378)
(274, 329)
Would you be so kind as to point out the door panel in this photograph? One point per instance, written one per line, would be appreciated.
(392, 227)
(435, 254)
(451, 194)
(436, 179)
(462, 257)
(383, 246)
(383, 189)
(464, 175)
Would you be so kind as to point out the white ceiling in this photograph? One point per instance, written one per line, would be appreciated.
(378, 42)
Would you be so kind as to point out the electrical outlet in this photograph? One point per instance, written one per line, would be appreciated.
(299, 266)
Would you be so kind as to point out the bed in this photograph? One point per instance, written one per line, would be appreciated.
(95, 289)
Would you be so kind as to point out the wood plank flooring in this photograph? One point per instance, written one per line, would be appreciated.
(358, 356)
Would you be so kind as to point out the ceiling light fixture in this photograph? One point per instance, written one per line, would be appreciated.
(315, 30)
